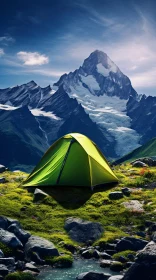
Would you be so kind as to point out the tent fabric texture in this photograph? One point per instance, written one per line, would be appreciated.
(73, 160)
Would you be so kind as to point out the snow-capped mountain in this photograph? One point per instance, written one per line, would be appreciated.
(97, 99)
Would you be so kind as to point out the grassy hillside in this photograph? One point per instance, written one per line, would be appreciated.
(147, 150)
(46, 218)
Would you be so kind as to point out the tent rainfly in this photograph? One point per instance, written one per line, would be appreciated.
(73, 160)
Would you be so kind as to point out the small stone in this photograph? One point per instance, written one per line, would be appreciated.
(3, 180)
(2, 168)
(115, 195)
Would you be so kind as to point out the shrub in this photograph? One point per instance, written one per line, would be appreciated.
(8, 252)
(123, 254)
(61, 261)
(19, 276)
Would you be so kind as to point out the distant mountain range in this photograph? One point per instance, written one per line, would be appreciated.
(97, 100)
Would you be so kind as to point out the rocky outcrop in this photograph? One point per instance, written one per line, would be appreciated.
(83, 231)
(145, 266)
(130, 243)
(40, 246)
(9, 239)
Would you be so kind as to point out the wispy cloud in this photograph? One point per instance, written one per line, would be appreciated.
(1, 52)
(32, 58)
(7, 39)
(48, 72)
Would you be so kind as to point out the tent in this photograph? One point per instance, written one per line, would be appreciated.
(73, 160)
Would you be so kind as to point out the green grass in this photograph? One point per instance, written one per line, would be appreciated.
(46, 218)
(123, 254)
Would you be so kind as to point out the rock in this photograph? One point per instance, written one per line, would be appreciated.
(9, 239)
(126, 191)
(139, 163)
(39, 195)
(152, 228)
(1, 254)
(91, 275)
(128, 264)
(122, 259)
(3, 222)
(115, 195)
(3, 180)
(40, 246)
(116, 266)
(7, 261)
(21, 234)
(33, 273)
(149, 223)
(3, 270)
(70, 248)
(110, 252)
(148, 161)
(150, 186)
(36, 258)
(20, 265)
(134, 206)
(83, 231)
(87, 254)
(2, 168)
(141, 271)
(141, 234)
(106, 263)
(13, 221)
(116, 277)
(145, 266)
(96, 254)
(130, 243)
(105, 256)
(131, 257)
(148, 253)
(31, 267)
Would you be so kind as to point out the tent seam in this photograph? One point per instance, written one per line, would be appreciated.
(90, 170)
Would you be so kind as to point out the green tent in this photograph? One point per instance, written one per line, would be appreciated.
(73, 160)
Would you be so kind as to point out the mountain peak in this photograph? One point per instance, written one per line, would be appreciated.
(31, 84)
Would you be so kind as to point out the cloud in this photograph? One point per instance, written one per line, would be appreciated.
(6, 39)
(32, 58)
(45, 72)
(1, 52)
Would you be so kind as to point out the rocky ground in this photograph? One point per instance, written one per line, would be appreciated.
(117, 227)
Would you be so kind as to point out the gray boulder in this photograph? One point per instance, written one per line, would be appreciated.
(3, 222)
(40, 246)
(30, 266)
(116, 277)
(115, 195)
(83, 231)
(13, 221)
(3, 270)
(7, 261)
(145, 266)
(2, 168)
(138, 163)
(21, 234)
(105, 256)
(91, 275)
(148, 253)
(130, 243)
(9, 239)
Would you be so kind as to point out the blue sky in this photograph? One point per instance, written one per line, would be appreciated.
(42, 39)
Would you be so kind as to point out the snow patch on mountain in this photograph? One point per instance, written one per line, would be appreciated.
(40, 113)
(91, 82)
(109, 113)
(8, 107)
(102, 70)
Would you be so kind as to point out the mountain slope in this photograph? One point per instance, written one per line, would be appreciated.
(143, 116)
(146, 150)
(22, 143)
